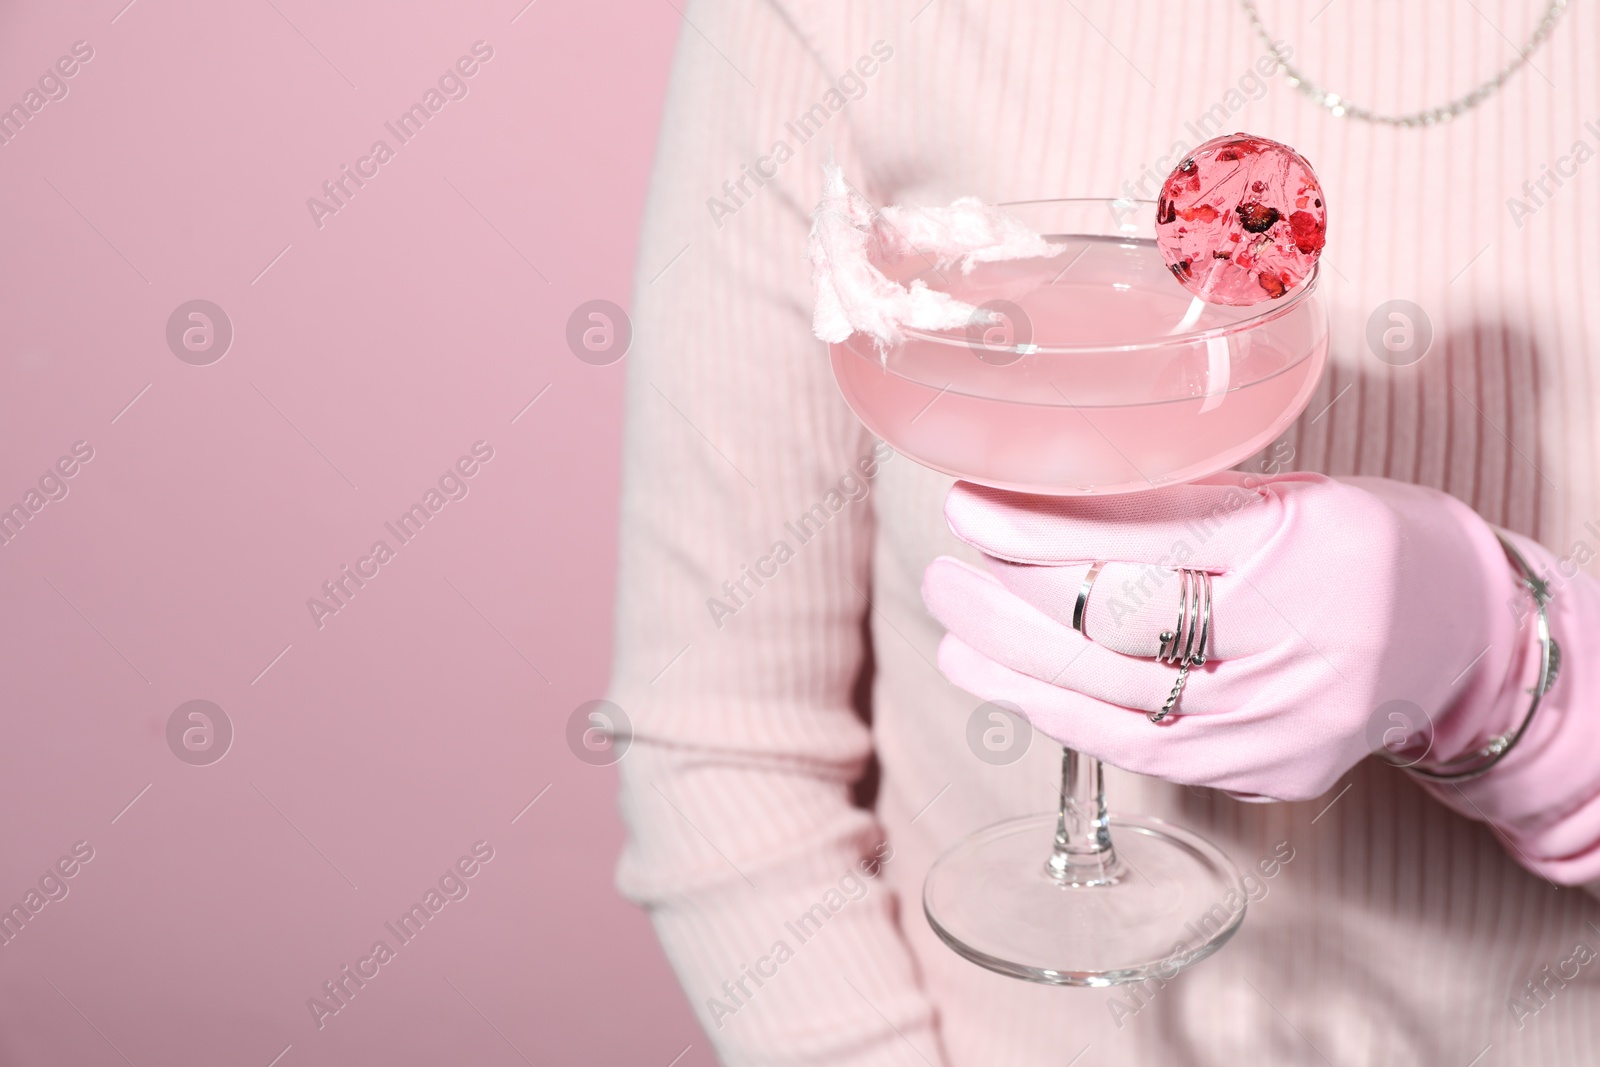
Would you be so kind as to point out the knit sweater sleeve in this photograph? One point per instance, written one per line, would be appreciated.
(745, 551)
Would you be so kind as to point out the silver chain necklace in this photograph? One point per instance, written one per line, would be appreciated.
(1339, 107)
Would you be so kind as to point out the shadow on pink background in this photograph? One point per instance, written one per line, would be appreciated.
(376, 746)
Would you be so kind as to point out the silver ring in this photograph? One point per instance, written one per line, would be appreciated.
(1186, 643)
(1080, 610)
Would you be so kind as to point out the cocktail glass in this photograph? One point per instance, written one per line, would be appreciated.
(1094, 373)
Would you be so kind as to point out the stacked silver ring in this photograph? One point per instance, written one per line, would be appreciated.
(1186, 643)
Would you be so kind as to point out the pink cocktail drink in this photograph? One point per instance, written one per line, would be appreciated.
(1102, 375)
(1090, 371)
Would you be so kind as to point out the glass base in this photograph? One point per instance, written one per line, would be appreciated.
(1175, 901)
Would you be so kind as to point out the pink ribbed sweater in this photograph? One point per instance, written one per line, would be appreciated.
(766, 660)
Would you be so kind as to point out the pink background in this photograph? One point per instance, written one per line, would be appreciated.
(372, 752)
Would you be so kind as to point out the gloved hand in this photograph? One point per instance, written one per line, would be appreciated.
(1331, 598)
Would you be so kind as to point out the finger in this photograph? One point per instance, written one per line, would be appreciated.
(1205, 525)
(1121, 737)
(1214, 751)
(1130, 605)
(984, 614)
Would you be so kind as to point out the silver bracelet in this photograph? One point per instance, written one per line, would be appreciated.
(1480, 761)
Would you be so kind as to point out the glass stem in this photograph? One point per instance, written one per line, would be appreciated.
(1083, 855)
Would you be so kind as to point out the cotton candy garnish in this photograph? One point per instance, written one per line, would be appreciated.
(853, 296)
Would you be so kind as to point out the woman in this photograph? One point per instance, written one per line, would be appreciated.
(799, 757)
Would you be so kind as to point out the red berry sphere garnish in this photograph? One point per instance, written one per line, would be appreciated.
(1241, 220)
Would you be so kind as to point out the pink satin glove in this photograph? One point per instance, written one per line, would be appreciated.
(1331, 599)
